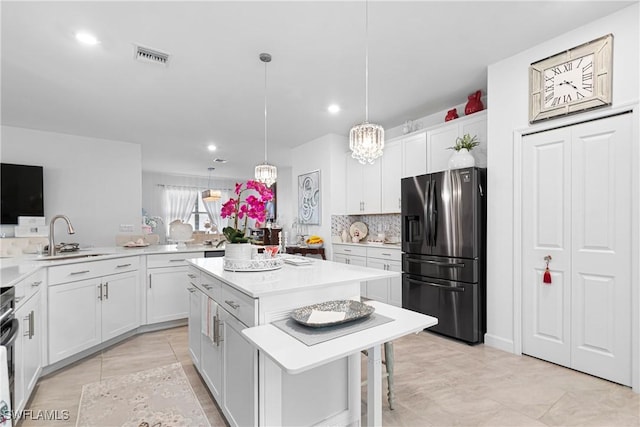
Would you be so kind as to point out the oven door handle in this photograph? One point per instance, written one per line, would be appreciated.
(15, 325)
(6, 314)
(435, 285)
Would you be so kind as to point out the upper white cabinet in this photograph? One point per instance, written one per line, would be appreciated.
(363, 187)
(440, 138)
(414, 160)
(391, 174)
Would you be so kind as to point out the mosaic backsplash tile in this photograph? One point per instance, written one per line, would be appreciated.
(389, 224)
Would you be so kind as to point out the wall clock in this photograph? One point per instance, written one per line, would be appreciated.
(572, 81)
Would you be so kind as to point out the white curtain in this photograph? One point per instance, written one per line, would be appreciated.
(179, 203)
(214, 209)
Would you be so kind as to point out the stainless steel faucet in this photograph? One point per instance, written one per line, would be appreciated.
(52, 243)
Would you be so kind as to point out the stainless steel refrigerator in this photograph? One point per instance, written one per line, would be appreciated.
(444, 250)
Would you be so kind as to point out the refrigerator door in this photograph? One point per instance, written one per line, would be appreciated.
(456, 269)
(454, 211)
(415, 234)
(455, 305)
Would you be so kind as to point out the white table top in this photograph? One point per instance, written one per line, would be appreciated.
(290, 278)
(295, 357)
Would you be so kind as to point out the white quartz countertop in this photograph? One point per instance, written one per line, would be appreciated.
(397, 246)
(290, 278)
(14, 269)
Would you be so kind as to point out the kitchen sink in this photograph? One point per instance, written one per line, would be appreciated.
(61, 257)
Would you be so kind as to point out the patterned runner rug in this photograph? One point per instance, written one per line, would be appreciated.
(159, 397)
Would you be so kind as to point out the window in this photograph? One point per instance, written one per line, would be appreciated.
(199, 216)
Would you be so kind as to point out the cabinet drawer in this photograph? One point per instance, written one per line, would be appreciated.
(241, 306)
(28, 286)
(385, 253)
(177, 259)
(87, 270)
(350, 250)
(210, 286)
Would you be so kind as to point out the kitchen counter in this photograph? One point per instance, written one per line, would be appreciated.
(14, 269)
(290, 277)
(371, 244)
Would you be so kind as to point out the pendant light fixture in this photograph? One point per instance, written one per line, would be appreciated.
(265, 172)
(366, 140)
(210, 195)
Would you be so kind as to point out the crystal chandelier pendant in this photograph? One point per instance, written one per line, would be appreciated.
(266, 173)
(366, 142)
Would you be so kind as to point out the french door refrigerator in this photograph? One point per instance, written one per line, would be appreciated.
(444, 250)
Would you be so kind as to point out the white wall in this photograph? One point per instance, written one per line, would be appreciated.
(95, 182)
(327, 155)
(507, 89)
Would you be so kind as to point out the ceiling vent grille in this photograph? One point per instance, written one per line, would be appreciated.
(153, 56)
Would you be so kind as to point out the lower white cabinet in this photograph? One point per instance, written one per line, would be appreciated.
(85, 313)
(195, 318)
(28, 349)
(167, 298)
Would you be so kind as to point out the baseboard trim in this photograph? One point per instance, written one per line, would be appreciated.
(499, 343)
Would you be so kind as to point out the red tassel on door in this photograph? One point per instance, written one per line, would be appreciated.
(546, 277)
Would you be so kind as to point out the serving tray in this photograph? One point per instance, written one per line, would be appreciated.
(259, 264)
(333, 313)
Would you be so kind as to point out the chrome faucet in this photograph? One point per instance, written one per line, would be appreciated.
(52, 243)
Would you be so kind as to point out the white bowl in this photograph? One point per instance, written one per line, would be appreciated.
(314, 245)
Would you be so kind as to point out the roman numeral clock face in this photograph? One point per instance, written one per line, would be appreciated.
(568, 82)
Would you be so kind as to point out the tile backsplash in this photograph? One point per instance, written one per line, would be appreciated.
(384, 223)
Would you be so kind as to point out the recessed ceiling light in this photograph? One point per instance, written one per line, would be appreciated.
(86, 38)
(211, 147)
(333, 108)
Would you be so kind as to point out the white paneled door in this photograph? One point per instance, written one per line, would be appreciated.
(576, 208)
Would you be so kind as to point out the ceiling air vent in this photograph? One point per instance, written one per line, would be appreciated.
(153, 56)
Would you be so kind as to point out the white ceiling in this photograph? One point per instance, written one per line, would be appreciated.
(424, 57)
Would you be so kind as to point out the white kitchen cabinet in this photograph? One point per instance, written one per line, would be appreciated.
(167, 297)
(385, 290)
(211, 346)
(414, 159)
(440, 138)
(391, 175)
(195, 318)
(87, 312)
(28, 344)
(351, 255)
(363, 187)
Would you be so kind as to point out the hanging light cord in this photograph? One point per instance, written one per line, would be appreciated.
(366, 63)
(265, 112)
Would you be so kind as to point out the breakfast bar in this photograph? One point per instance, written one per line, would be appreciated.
(260, 375)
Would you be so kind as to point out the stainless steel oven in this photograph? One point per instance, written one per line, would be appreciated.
(8, 332)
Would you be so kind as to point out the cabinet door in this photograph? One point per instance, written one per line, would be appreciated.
(391, 174)
(74, 318)
(378, 289)
(212, 349)
(371, 192)
(438, 141)
(195, 324)
(395, 284)
(167, 296)
(415, 155)
(28, 349)
(119, 304)
(354, 186)
(240, 391)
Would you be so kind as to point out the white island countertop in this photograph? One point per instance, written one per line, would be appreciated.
(290, 278)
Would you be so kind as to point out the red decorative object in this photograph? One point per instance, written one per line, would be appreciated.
(451, 114)
(546, 277)
(475, 104)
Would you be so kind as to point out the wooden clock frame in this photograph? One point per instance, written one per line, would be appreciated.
(602, 50)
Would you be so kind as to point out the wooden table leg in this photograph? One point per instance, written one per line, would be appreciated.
(374, 386)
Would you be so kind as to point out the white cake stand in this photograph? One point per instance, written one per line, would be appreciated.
(181, 243)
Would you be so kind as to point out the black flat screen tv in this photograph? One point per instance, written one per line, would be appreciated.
(20, 192)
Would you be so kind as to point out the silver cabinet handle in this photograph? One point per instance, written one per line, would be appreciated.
(176, 260)
(216, 331)
(191, 276)
(233, 304)
(36, 284)
(123, 265)
(191, 290)
(207, 287)
(18, 299)
(32, 327)
(149, 281)
(347, 250)
(106, 290)
(100, 291)
(385, 254)
(27, 320)
(79, 272)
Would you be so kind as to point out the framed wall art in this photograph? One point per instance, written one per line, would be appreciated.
(309, 198)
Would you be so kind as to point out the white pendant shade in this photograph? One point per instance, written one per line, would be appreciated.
(366, 142)
(211, 195)
(266, 174)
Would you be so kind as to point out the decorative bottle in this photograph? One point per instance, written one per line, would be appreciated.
(344, 236)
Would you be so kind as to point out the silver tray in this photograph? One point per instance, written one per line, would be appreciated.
(260, 264)
(353, 310)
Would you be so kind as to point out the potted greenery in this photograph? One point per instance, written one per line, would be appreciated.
(462, 158)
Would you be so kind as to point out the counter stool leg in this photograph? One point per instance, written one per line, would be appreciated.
(388, 358)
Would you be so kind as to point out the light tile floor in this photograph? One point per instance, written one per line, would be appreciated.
(439, 382)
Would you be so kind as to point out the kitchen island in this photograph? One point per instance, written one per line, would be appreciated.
(232, 314)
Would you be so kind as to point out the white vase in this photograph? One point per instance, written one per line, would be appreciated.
(238, 251)
(461, 159)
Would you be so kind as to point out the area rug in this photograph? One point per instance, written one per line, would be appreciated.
(159, 397)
